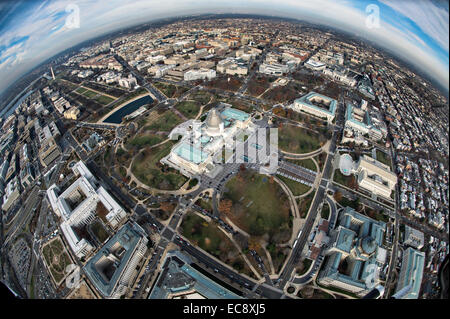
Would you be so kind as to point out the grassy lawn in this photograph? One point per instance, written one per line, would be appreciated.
(310, 293)
(377, 215)
(148, 170)
(205, 204)
(170, 90)
(344, 201)
(189, 109)
(238, 104)
(258, 85)
(321, 158)
(123, 157)
(259, 205)
(304, 203)
(90, 94)
(201, 97)
(103, 99)
(325, 213)
(349, 181)
(122, 171)
(229, 83)
(165, 122)
(143, 140)
(99, 231)
(56, 259)
(192, 183)
(278, 255)
(208, 237)
(306, 163)
(384, 158)
(295, 187)
(297, 140)
(283, 93)
(306, 263)
(81, 90)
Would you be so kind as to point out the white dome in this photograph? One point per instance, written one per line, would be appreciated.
(214, 123)
(346, 164)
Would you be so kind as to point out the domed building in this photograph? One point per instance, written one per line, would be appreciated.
(201, 145)
(214, 124)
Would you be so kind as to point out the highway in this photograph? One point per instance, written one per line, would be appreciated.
(233, 276)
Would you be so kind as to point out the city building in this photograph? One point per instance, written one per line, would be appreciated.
(232, 66)
(359, 120)
(274, 69)
(12, 193)
(47, 132)
(93, 141)
(61, 105)
(413, 237)
(72, 113)
(315, 65)
(27, 175)
(129, 82)
(48, 152)
(158, 71)
(341, 74)
(200, 147)
(375, 176)
(179, 278)
(411, 272)
(113, 268)
(316, 104)
(200, 74)
(354, 253)
(80, 203)
(248, 53)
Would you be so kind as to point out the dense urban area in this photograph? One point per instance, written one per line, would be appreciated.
(137, 168)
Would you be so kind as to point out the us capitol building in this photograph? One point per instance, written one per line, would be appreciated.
(203, 144)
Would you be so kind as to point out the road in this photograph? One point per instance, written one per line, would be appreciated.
(307, 227)
(144, 83)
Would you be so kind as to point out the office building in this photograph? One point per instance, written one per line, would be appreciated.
(316, 104)
(410, 278)
(354, 253)
(114, 268)
(49, 152)
(413, 237)
(80, 204)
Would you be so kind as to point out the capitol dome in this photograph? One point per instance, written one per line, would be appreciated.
(214, 123)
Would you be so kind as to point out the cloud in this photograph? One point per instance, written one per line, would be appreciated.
(42, 24)
(429, 16)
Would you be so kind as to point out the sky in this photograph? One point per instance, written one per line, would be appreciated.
(32, 31)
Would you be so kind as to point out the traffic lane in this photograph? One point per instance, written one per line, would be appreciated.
(151, 268)
(211, 263)
(167, 233)
(302, 240)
